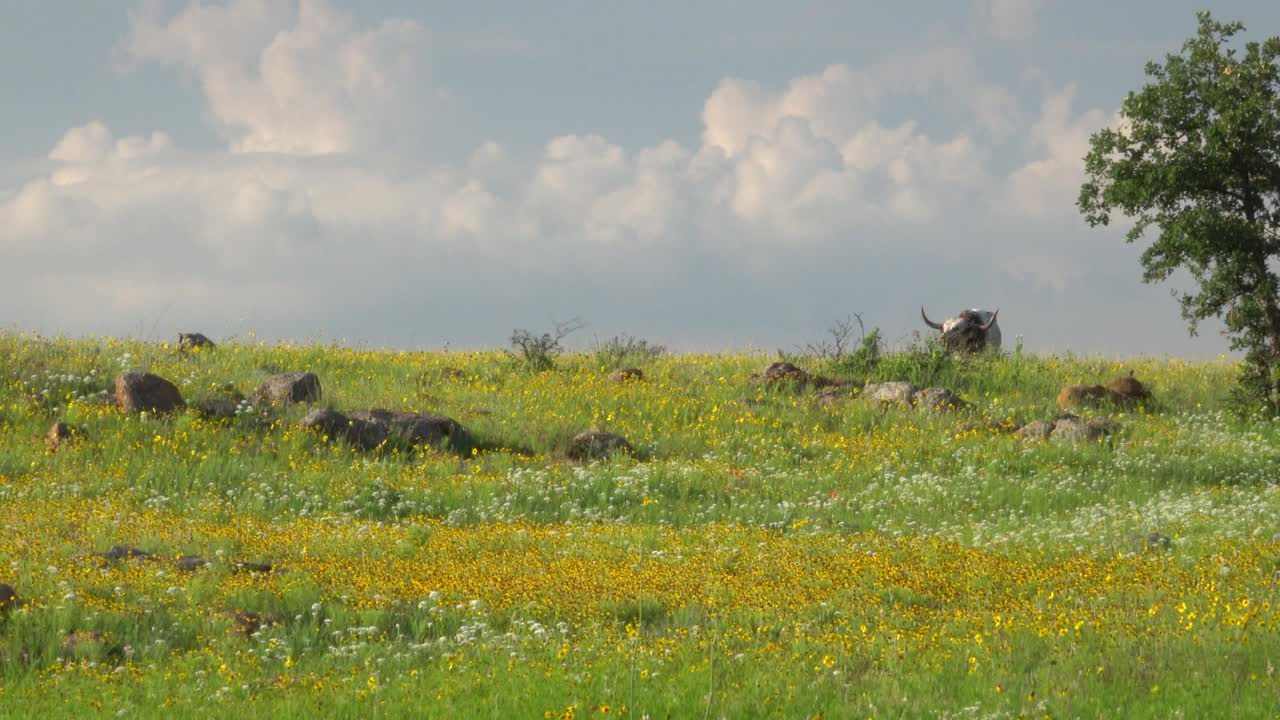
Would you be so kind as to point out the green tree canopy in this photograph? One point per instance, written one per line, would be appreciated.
(1196, 157)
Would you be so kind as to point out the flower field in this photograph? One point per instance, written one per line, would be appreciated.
(767, 551)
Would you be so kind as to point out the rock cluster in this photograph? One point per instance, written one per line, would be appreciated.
(368, 429)
(906, 395)
(1066, 428)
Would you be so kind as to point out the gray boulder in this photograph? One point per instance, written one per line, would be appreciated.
(1038, 431)
(1070, 428)
(891, 393)
(293, 387)
(1066, 428)
(941, 399)
(596, 445)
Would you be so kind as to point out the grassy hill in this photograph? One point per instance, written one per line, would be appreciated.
(770, 549)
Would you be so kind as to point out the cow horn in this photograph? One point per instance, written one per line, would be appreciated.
(927, 321)
(990, 322)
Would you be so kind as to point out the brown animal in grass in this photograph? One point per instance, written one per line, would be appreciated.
(1129, 388)
(1073, 396)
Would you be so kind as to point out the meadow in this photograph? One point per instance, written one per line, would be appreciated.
(765, 552)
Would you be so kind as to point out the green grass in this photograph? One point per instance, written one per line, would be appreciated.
(764, 554)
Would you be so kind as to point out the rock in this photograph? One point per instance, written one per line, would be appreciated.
(194, 341)
(1066, 428)
(1128, 388)
(8, 597)
(1073, 396)
(126, 552)
(1038, 431)
(61, 434)
(190, 563)
(245, 624)
(335, 425)
(294, 387)
(627, 374)
(415, 428)
(144, 392)
(222, 404)
(891, 393)
(328, 421)
(595, 445)
(940, 399)
(367, 429)
(1070, 428)
(785, 371)
(216, 408)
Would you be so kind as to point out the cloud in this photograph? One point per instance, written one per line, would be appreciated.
(813, 158)
(1010, 19)
(294, 78)
(1047, 187)
(796, 205)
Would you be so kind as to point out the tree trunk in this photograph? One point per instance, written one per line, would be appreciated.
(1271, 311)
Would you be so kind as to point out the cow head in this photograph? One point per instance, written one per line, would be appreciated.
(969, 331)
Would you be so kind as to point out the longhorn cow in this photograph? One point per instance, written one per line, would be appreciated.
(970, 331)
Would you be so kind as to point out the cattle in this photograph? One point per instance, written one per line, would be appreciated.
(970, 331)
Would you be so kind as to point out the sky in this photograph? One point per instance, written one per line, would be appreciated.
(705, 174)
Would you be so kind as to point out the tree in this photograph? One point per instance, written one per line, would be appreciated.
(1196, 155)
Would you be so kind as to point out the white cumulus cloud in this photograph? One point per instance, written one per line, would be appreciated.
(1048, 186)
(290, 77)
(795, 204)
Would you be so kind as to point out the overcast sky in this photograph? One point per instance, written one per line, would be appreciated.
(707, 174)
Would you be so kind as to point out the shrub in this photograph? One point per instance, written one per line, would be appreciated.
(625, 350)
(864, 360)
(539, 352)
(838, 347)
